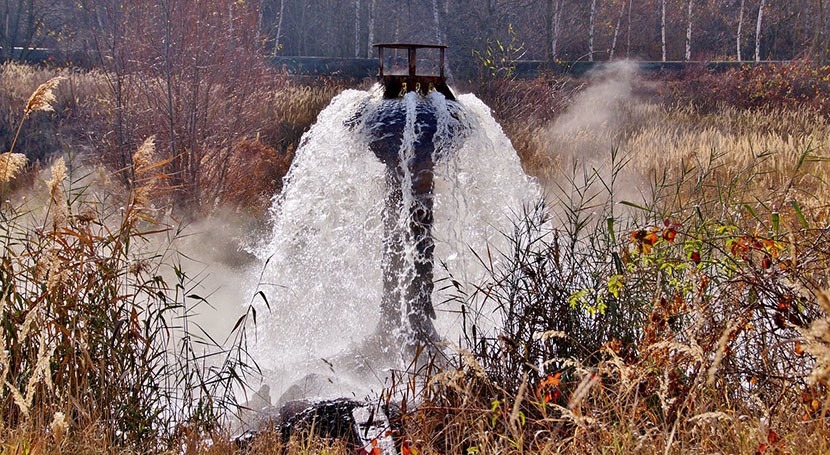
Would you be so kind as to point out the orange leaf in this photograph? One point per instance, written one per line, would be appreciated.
(739, 248)
(669, 234)
(773, 437)
(799, 348)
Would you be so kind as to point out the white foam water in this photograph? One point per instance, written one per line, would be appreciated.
(321, 274)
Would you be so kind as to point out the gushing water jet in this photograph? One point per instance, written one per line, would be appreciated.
(385, 185)
(415, 126)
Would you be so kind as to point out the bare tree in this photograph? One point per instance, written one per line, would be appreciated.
(688, 55)
(617, 30)
(278, 33)
(371, 25)
(663, 29)
(25, 24)
(591, 30)
(357, 28)
(758, 31)
(740, 27)
(435, 17)
(628, 35)
(554, 23)
(820, 34)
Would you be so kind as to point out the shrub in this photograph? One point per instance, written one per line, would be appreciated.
(92, 334)
(674, 324)
(795, 85)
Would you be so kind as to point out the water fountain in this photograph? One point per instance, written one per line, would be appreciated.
(387, 184)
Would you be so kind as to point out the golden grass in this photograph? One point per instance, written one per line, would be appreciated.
(10, 165)
(658, 139)
(670, 393)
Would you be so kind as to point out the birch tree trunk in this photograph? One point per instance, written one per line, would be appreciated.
(758, 31)
(628, 35)
(663, 29)
(548, 30)
(591, 31)
(356, 28)
(740, 28)
(617, 31)
(437, 22)
(688, 54)
(557, 22)
(279, 28)
(371, 25)
(820, 35)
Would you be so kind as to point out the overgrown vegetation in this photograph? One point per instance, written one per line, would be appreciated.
(668, 297)
(95, 341)
(256, 129)
(671, 295)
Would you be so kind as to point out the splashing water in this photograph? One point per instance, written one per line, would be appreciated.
(323, 276)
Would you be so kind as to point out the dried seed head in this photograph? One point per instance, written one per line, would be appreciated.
(143, 162)
(43, 97)
(57, 273)
(10, 165)
(59, 427)
(59, 209)
(143, 157)
(817, 338)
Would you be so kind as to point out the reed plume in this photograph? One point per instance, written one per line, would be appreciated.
(142, 164)
(58, 200)
(43, 97)
(10, 165)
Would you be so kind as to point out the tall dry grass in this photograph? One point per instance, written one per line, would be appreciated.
(670, 298)
(239, 144)
(97, 352)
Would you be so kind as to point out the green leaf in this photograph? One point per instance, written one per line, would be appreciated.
(616, 283)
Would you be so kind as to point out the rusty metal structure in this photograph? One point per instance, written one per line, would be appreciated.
(396, 85)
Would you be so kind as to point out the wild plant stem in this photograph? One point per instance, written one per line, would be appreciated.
(17, 133)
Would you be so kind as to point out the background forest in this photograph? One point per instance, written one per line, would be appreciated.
(546, 29)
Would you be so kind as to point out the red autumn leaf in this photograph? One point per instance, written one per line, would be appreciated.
(695, 257)
(772, 437)
(669, 234)
(799, 348)
(766, 263)
(762, 449)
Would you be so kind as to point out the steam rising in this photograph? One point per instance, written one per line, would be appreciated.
(600, 120)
